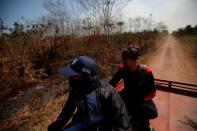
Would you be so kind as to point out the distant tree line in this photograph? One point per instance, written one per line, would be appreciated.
(83, 18)
(187, 30)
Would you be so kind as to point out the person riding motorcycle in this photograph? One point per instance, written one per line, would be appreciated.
(99, 106)
(138, 88)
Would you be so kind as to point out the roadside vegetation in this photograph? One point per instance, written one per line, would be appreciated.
(31, 91)
(188, 38)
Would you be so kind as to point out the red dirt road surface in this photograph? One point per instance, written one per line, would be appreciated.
(172, 62)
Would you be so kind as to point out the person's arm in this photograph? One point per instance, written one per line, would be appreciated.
(148, 109)
(64, 116)
(150, 89)
(116, 78)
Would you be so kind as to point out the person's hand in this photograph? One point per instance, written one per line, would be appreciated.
(55, 126)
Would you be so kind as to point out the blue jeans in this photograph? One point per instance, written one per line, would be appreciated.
(81, 126)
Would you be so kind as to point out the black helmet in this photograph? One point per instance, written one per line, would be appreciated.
(132, 52)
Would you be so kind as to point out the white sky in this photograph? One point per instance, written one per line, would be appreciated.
(174, 13)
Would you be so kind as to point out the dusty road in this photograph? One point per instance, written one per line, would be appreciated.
(172, 62)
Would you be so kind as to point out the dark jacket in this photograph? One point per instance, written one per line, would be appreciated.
(139, 86)
(109, 104)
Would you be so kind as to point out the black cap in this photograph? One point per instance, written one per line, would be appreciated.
(79, 66)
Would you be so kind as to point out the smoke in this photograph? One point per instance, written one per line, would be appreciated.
(182, 13)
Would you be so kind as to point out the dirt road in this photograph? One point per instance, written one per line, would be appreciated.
(172, 62)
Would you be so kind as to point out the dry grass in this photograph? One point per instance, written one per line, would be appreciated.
(27, 60)
(37, 120)
(192, 122)
(190, 44)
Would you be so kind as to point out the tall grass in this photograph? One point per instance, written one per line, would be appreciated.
(190, 44)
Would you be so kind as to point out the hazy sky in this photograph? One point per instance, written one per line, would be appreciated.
(175, 13)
